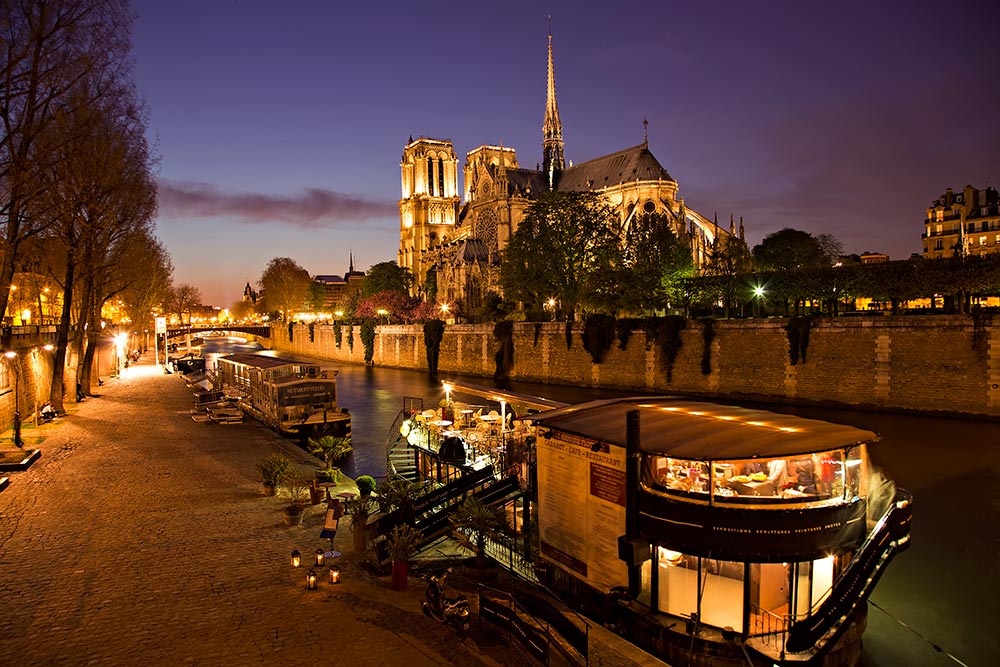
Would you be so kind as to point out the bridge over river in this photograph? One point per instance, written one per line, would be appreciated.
(254, 330)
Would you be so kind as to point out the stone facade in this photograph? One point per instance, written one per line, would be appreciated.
(920, 363)
(963, 223)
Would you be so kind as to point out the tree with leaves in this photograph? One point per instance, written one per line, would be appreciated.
(386, 277)
(728, 261)
(564, 248)
(789, 249)
(656, 261)
(285, 286)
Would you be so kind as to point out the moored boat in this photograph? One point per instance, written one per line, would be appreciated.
(291, 396)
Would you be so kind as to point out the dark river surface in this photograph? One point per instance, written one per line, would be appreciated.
(937, 604)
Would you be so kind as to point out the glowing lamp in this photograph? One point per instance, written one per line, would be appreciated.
(334, 575)
(311, 580)
(320, 557)
(296, 558)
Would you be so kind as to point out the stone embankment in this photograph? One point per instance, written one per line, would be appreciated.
(928, 363)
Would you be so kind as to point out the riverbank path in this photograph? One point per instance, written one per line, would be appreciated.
(141, 537)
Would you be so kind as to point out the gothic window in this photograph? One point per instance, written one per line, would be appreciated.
(486, 229)
(440, 177)
(649, 207)
(485, 188)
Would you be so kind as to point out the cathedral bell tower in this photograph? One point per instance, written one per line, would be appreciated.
(429, 205)
(552, 141)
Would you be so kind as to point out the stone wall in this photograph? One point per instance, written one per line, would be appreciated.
(923, 363)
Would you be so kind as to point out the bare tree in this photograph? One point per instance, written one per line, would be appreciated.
(182, 300)
(97, 197)
(146, 269)
(47, 47)
(285, 285)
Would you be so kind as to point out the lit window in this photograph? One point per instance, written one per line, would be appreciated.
(982, 240)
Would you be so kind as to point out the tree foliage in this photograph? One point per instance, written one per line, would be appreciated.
(565, 248)
(656, 264)
(285, 286)
(386, 277)
(789, 249)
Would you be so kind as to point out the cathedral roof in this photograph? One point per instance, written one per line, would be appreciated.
(471, 251)
(631, 164)
(529, 181)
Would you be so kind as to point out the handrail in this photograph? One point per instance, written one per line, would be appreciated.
(853, 587)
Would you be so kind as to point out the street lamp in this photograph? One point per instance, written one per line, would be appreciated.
(11, 354)
(758, 294)
(383, 313)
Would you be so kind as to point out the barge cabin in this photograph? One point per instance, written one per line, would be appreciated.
(290, 396)
(711, 534)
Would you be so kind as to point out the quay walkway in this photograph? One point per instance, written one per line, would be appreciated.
(141, 537)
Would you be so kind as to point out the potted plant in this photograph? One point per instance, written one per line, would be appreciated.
(359, 509)
(472, 524)
(273, 469)
(297, 486)
(330, 448)
(399, 493)
(366, 485)
(401, 544)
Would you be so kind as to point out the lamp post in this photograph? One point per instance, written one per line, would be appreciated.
(383, 314)
(12, 355)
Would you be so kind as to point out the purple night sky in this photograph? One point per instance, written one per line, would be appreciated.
(280, 125)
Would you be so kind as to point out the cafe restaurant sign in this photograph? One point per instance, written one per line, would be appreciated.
(581, 508)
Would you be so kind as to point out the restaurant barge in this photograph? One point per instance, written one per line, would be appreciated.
(715, 535)
(291, 396)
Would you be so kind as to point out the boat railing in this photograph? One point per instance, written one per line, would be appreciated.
(890, 535)
(769, 629)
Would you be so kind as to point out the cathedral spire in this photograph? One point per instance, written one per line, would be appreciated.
(552, 141)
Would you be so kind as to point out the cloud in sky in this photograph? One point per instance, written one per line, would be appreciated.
(313, 208)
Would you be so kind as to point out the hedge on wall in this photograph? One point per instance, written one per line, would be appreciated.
(368, 339)
(668, 338)
(433, 335)
(338, 333)
(707, 335)
(598, 336)
(569, 334)
(798, 328)
(503, 334)
(350, 337)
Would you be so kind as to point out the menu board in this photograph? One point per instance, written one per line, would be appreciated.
(581, 508)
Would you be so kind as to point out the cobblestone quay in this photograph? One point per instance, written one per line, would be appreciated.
(143, 538)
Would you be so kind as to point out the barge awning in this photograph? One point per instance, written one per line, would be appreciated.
(694, 430)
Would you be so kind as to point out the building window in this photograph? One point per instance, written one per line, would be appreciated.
(939, 216)
(937, 229)
(982, 240)
(938, 245)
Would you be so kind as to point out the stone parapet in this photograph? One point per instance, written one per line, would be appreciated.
(948, 364)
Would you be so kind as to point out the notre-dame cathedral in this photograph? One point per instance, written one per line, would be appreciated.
(459, 241)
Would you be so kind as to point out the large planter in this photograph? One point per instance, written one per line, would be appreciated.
(359, 532)
(292, 515)
(400, 573)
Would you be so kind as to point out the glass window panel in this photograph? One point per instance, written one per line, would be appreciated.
(678, 585)
(722, 596)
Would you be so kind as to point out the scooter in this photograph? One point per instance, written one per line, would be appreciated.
(451, 610)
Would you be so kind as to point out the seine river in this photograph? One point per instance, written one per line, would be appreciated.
(937, 604)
